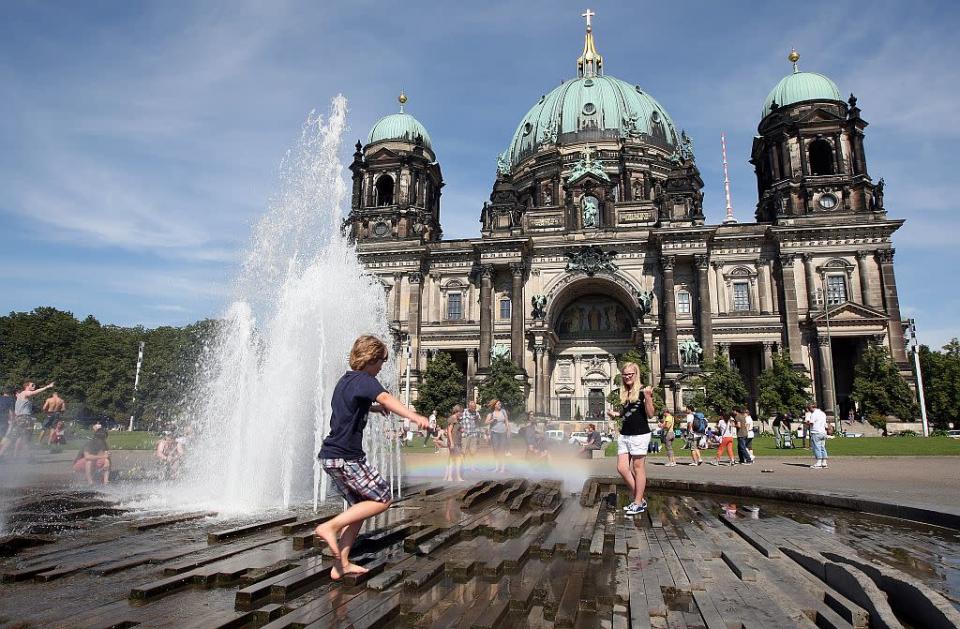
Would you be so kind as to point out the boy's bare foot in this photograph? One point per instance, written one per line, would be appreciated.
(337, 571)
(328, 536)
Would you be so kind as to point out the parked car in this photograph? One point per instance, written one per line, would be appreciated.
(556, 435)
(581, 438)
(954, 433)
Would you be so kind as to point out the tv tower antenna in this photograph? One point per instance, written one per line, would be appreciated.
(726, 178)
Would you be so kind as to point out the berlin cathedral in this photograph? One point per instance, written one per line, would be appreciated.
(594, 242)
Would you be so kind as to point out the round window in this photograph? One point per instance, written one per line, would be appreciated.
(589, 109)
(655, 116)
(828, 201)
(588, 83)
(381, 229)
(527, 128)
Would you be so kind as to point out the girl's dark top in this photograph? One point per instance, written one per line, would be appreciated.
(634, 419)
(352, 397)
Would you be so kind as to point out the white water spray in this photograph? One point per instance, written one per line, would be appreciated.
(262, 405)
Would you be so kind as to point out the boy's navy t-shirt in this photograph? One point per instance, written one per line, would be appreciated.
(351, 401)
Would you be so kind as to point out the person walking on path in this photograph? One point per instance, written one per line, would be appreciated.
(748, 419)
(634, 440)
(53, 407)
(667, 434)
(342, 457)
(743, 455)
(818, 435)
(777, 435)
(696, 434)
(470, 420)
(455, 442)
(22, 427)
(431, 430)
(499, 423)
(727, 430)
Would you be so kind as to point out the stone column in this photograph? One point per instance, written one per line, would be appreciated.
(892, 304)
(721, 288)
(387, 289)
(704, 309)
(486, 315)
(653, 350)
(413, 314)
(435, 298)
(774, 287)
(827, 399)
(811, 283)
(471, 363)
(397, 290)
(537, 383)
(516, 315)
(669, 315)
(791, 319)
(677, 397)
(763, 272)
(544, 377)
(866, 295)
(767, 355)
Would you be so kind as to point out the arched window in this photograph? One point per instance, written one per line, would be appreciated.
(821, 158)
(385, 190)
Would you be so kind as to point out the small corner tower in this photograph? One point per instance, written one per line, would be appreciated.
(808, 153)
(396, 182)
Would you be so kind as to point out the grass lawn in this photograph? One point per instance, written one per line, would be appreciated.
(118, 440)
(841, 446)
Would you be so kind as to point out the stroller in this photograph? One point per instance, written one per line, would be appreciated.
(786, 440)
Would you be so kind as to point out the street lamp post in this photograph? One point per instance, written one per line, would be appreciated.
(916, 365)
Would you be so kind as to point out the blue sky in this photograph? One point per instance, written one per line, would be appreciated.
(140, 141)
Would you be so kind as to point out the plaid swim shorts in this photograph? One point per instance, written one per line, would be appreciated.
(357, 481)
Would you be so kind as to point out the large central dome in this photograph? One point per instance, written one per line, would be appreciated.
(589, 109)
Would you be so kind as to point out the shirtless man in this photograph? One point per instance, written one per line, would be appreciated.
(168, 455)
(53, 408)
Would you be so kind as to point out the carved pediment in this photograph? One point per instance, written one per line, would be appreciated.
(820, 114)
(565, 389)
(851, 312)
(382, 154)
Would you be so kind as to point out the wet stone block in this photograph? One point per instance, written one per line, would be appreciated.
(218, 537)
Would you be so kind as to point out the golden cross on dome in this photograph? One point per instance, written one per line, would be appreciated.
(589, 14)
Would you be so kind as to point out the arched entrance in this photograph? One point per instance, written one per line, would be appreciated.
(593, 322)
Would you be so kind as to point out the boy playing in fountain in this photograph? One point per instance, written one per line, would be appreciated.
(341, 455)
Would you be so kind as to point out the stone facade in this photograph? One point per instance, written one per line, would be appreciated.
(585, 227)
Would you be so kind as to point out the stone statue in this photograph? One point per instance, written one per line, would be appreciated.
(503, 164)
(637, 189)
(631, 126)
(547, 194)
(686, 147)
(591, 211)
(539, 303)
(878, 194)
(591, 260)
(645, 304)
(550, 133)
(500, 350)
(690, 353)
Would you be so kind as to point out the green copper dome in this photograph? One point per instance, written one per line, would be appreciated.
(399, 127)
(799, 87)
(589, 109)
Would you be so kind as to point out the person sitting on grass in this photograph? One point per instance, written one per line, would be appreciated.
(593, 442)
(342, 457)
(94, 455)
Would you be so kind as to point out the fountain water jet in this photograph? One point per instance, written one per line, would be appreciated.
(261, 406)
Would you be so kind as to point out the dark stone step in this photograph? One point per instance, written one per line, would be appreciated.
(220, 536)
(152, 523)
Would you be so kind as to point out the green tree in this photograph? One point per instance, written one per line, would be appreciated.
(720, 387)
(880, 389)
(941, 383)
(443, 387)
(501, 384)
(782, 388)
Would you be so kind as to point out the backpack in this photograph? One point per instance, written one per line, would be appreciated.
(699, 423)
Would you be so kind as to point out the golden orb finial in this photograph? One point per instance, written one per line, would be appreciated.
(793, 58)
(402, 98)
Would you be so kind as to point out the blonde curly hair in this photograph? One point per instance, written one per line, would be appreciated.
(367, 349)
